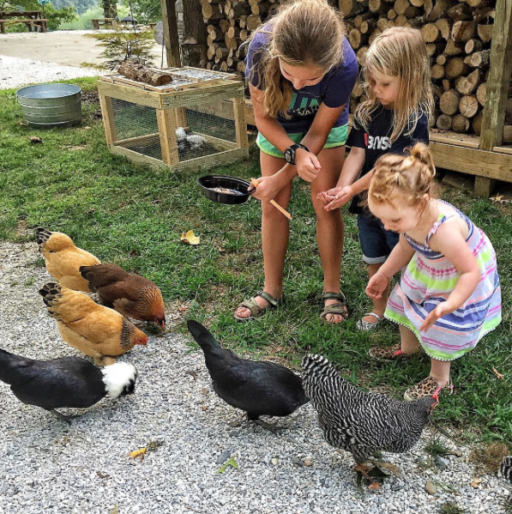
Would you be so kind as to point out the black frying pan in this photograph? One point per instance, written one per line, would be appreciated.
(239, 188)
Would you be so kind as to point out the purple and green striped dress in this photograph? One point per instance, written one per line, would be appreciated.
(429, 279)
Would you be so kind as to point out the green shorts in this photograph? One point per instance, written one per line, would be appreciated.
(337, 137)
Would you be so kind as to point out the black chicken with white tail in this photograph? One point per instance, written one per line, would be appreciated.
(258, 388)
(361, 422)
(65, 382)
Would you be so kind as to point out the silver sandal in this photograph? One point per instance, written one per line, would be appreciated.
(365, 326)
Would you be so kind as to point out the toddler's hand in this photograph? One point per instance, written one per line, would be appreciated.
(441, 310)
(377, 285)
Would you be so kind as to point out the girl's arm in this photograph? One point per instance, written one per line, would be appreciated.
(344, 190)
(400, 256)
(449, 240)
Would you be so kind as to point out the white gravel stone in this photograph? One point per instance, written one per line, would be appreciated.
(16, 72)
(47, 466)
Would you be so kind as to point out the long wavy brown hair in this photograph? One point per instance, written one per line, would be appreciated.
(399, 52)
(302, 33)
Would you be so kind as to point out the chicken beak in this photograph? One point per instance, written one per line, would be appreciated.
(142, 342)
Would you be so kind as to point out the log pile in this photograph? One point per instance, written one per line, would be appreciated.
(229, 23)
(458, 37)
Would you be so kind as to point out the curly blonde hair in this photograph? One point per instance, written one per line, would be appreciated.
(412, 175)
(399, 52)
(302, 33)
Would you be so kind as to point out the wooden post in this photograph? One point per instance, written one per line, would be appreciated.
(108, 119)
(240, 123)
(171, 40)
(497, 87)
(166, 120)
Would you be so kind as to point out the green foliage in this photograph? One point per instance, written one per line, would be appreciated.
(54, 16)
(109, 8)
(83, 22)
(145, 11)
(121, 45)
(133, 216)
(451, 508)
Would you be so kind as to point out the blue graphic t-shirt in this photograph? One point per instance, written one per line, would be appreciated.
(376, 141)
(334, 89)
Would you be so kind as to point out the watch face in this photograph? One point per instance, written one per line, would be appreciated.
(289, 156)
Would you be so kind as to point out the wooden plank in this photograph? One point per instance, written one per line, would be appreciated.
(484, 187)
(249, 113)
(465, 140)
(499, 77)
(138, 158)
(218, 143)
(503, 149)
(168, 141)
(181, 117)
(129, 94)
(170, 26)
(210, 161)
(490, 165)
(108, 119)
(212, 94)
(133, 141)
(240, 122)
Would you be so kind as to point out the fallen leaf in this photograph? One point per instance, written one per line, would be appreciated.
(231, 462)
(87, 128)
(430, 487)
(138, 453)
(22, 124)
(476, 482)
(498, 374)
(102, 475)
(204, 407)
(192, 373)
(35, 139)
(115, 510)
(190, 238)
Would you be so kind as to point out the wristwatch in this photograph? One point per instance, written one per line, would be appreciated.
(289, 154)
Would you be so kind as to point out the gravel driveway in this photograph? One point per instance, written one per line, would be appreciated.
(48, 466)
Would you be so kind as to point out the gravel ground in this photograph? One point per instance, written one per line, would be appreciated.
(52, 467)
(17, 72)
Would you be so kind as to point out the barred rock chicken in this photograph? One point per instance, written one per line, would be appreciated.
(361, 422)
(258, 388)
(63, 259)
(506, 468)
(128, 293)
(97, 331)
(65, 382)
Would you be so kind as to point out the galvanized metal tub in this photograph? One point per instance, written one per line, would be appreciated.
(51, 105)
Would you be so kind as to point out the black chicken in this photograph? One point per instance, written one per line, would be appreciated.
(506, 468)
(258, 388)
(65, 382)
(361, 422)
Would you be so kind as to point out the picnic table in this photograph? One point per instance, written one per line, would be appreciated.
(96, 22)
(32, 19)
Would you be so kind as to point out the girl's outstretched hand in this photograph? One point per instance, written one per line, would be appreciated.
(441, 310)
(308, 165)
(377, 285)
(336, 197)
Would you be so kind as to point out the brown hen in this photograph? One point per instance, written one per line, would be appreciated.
(63, 259)
(97, 331)
(128, 293)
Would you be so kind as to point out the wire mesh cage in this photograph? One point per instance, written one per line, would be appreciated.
(197, 121)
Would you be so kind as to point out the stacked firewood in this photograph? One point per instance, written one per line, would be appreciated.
(229, 25)
(458, 37)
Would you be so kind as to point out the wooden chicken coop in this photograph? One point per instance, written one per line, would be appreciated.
(175, 125)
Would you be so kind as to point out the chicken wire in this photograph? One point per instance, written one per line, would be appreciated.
(204, 134)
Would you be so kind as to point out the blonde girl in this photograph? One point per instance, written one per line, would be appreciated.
(395, 116)
(301, 70)
(449, 295)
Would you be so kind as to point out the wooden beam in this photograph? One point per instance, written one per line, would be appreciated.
(499, 77)
(170, 26)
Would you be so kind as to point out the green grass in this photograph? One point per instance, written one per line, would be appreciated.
(133, 216)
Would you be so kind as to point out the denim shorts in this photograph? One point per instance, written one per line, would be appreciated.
(376, 242)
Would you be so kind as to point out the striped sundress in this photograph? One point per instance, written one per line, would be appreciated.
(429, 279)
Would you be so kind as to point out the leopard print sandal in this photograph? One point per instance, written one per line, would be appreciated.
(386, 353)
(429, 386)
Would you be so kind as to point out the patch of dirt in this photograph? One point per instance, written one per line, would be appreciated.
(90, 97)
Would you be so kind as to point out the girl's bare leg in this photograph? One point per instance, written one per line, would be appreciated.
(409, 342)
(440, 370)
(274, 234)
(379, 306)
(329, 224)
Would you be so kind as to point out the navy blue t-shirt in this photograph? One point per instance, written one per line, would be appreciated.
(376, 142)
(334, 89)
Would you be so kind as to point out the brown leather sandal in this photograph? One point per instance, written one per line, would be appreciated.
(340, 307)
(256, 310)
